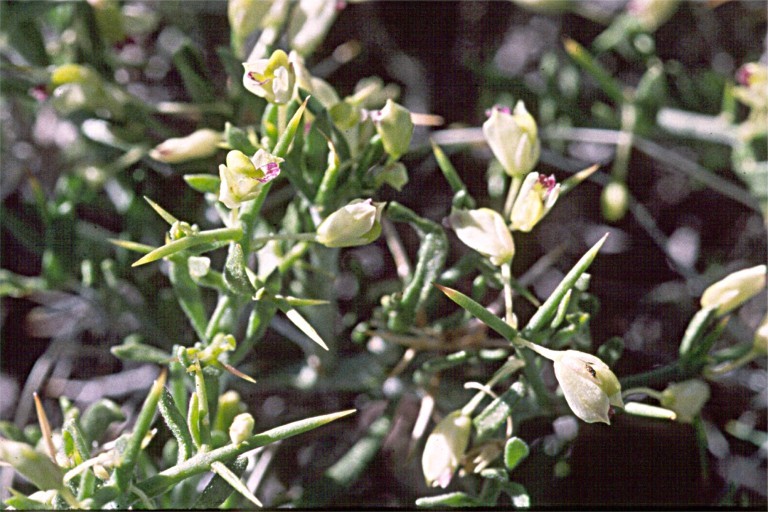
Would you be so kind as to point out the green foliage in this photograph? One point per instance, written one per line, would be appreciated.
(286, 189)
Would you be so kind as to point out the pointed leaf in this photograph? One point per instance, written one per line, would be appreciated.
(167, 217)
(451, 499)
(477, 309)
(299, 321)
(219, 489)
(201, 462)
(131, 246)
(233, 480)
(547, 311)
(204, 237)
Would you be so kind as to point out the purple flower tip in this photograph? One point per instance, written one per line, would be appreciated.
(375, 115)
(742, 75)
(548, 182)
(501, 108)
(271, 171)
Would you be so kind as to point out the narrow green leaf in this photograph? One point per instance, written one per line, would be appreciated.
(124, 470)
(488, 318)
(514, 452)
(609, 85)
(131, 246)
(132, 350)
(449, 171)
(696, 329)
(299, 302)
(299, 321)
(235, 275)
(233, 480)
(433, 252)
(547, 311)
(167, 217)
(219, 489)
(284, 143)
(204, 237)
(177, 425)
(201, 462)
(451, 499)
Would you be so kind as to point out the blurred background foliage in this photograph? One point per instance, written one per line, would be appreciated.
(75, 168)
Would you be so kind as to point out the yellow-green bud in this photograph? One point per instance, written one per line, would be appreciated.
(395, 127)
(272, 79)
(357, 223)
(685, 398)
(734, 289)
(537, 196)
(241, 428)
(74, 73)
(513, 138)
(198, 144)
(485, 231)
(242, 178)
(614, 201)
(445, 448)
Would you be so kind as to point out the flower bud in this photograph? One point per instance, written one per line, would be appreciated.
(395, 127)
(272, 79)
(241, 428)
(685, 398)
(589, 386)
(199, 144)
(485, 231)
(242, 178)
(614, 201)
(444, 449)
(537, 196)
(513, 138)
(357, 223)
(734, 289)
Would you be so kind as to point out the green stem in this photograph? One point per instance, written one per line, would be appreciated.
(201, 462)
(468, 409)
(514, 188)
(291, 237)
(506, 279)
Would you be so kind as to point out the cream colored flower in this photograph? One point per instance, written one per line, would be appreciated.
(734, 289)
(357, 223)
(485, 231)
(445, 448)
(513, 138)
